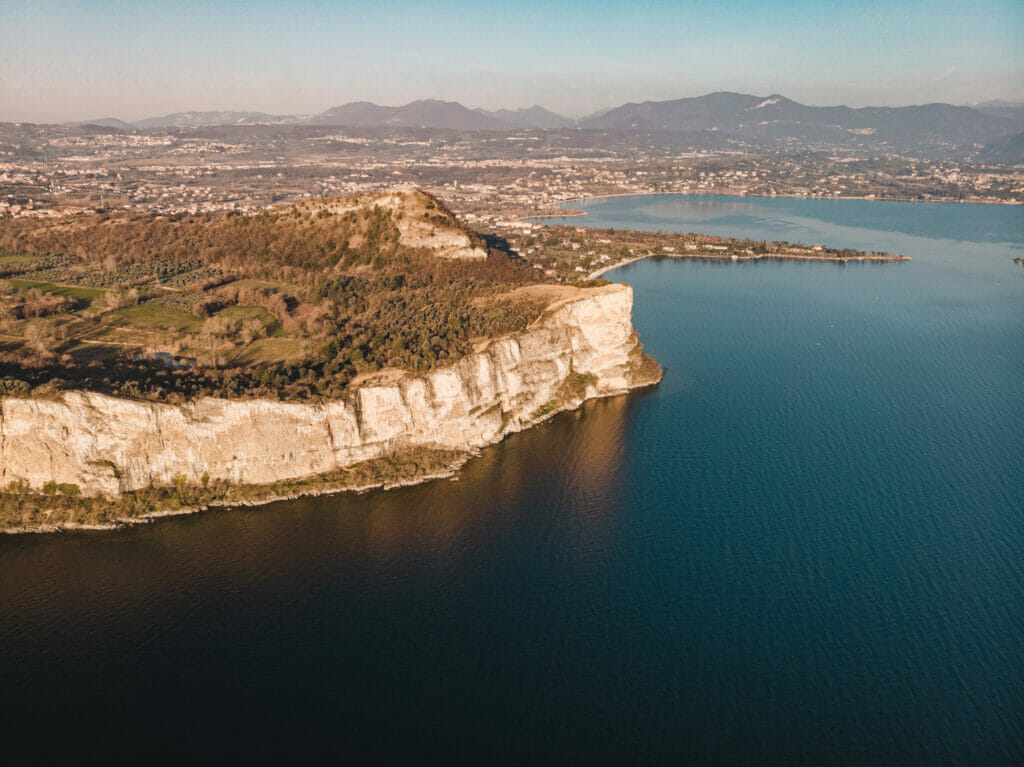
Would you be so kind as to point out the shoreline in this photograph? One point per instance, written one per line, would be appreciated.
(769, 257)
(573, 213)
(450, 470)
(154, 516)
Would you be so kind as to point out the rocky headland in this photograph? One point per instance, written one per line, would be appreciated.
(582, 346)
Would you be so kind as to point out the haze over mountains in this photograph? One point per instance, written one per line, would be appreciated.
(776, 118)
(533, 117)
(429, 113)
(761, 122)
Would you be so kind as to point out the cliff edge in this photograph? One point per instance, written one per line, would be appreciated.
(582, 346)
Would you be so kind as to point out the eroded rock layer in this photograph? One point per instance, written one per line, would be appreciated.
(581, 347)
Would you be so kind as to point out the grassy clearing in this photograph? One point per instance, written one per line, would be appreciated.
(265, 318)
(270, 350)
(16, 259)
(85, 353)
(128, 336)
(153, 315)
(86, 295)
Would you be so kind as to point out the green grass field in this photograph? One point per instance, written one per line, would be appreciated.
(87, 295)
(15, 259)
(243, 313)
(153, 315)
(269, 350)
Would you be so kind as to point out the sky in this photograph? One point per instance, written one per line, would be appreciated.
(63, 61)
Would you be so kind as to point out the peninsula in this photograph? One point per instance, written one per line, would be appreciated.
(160, 363)
(572, 253)
(155, 363)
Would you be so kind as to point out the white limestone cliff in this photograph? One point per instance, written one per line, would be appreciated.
(582, 347)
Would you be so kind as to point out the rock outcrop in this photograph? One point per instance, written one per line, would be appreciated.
(583, 346)
(419, 226)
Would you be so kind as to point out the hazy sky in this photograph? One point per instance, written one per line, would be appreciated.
(78, 60)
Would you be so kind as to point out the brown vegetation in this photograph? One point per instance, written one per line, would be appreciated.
(23, 304)
(335, 276)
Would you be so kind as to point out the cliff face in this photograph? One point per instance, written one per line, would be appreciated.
(582, 347)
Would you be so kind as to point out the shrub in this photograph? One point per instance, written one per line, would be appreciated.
(41, 334)
(18, 486)
(119, 299)
(14, 387)
(251, 330)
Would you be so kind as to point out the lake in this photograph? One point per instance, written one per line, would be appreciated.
(806, 545)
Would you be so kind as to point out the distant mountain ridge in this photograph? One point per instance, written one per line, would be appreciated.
(427, 113)
(532, 117)
(204, 119)
(769, 123)
(103, 122)
(778, 118)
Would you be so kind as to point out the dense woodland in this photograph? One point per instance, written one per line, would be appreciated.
(338, 291)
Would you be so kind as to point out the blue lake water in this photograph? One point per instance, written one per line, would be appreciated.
(807, 545)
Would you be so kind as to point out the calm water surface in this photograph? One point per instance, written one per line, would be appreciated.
(807, 545)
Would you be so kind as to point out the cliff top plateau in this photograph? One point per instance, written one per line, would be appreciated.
(293, 302)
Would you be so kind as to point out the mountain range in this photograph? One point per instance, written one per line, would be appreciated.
(429, 113)
(767, 122)
(777, 118)
(534, 117)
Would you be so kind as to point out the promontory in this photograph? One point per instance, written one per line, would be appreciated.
(152, 363)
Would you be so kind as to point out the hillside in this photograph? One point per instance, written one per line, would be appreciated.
(429, 113)
(201, 119)
(103, 122)
(531, 117)
(776, 118)
(1008, 151)
(1006, 110)
(292, 302)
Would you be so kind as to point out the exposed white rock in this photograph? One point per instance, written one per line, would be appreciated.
(109, 445)
(414, 230)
